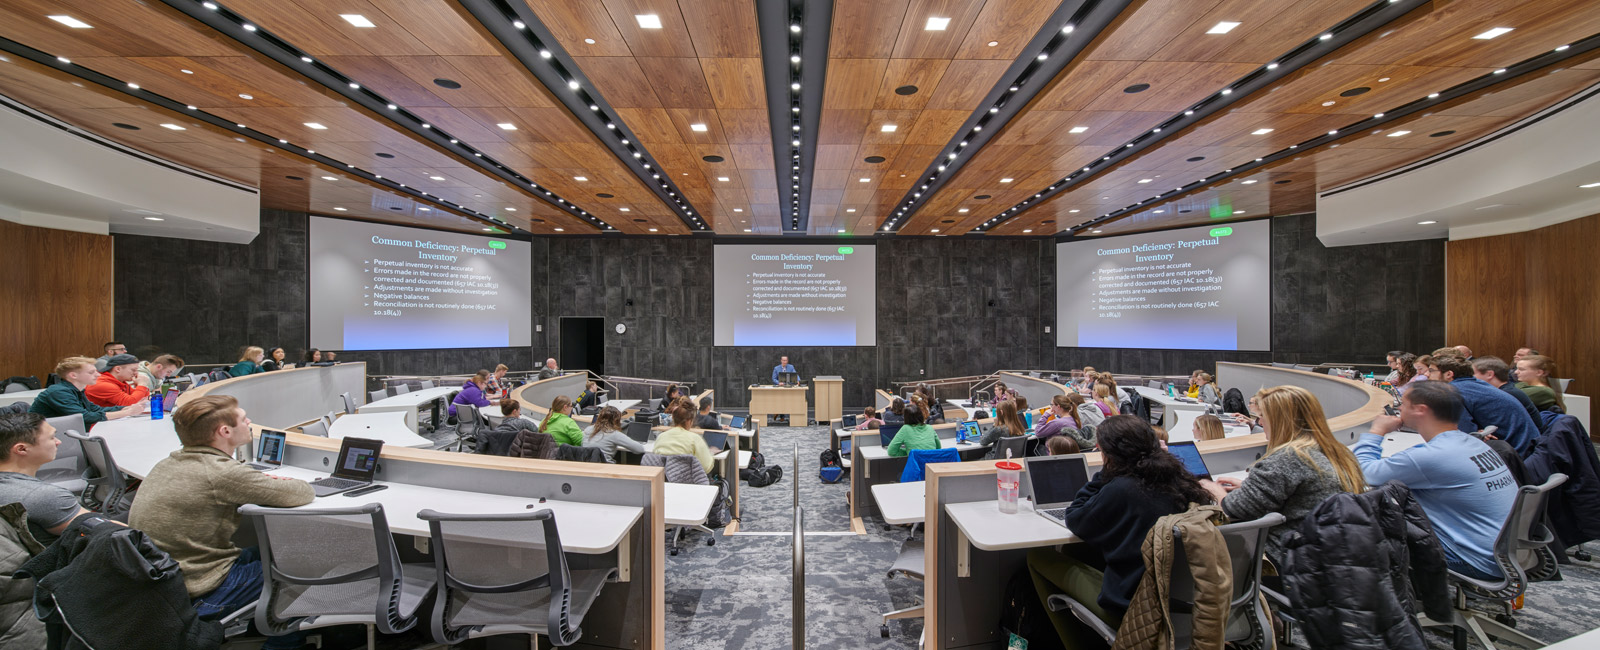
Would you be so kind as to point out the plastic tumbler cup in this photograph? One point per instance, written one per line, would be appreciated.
(1009, 475)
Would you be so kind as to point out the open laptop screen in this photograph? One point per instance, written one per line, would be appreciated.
(716, 440)
(639, 430)
(736, 422)
(1190, 455)
(358, 459)
(1055, 480)
(271, 451)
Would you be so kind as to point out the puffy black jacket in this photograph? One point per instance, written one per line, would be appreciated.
(1574, 509)
(1353, 566)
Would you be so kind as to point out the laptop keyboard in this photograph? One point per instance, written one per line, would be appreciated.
(1058, 514)
(336, 483)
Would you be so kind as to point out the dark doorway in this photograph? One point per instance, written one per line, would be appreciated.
(583, 344)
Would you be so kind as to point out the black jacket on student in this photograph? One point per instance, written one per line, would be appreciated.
(1574, 508)
(1114, 516)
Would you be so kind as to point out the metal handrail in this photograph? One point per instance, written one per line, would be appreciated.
(797, 597)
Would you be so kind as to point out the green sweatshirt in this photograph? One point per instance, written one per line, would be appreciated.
(65, 399)
(244, 368)
(563, 429)
(909, 437)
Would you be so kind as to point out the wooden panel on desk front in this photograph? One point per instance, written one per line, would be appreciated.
(59, 293)
(830, 397)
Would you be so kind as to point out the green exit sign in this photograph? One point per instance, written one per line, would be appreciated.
(493, 243)
(846, 250)
(1221, 232)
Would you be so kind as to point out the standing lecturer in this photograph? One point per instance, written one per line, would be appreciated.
(782, 367)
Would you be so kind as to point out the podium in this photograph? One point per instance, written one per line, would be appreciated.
(780, 400)
(830, 397)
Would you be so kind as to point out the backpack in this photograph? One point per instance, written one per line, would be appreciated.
(1023, 615)
(830, 470)
(829, 458)
(721, 514)
(1233, 402)
(757, 461)
(764, 476)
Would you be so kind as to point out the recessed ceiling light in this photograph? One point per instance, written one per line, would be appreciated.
(154, 219)
(1589, 185)
(330, 178)
(357, 20)
(1329, 103)
(488, 230)
(1074, 211)
(841, 231)
(1007, 180)
(723, 179)
(934, 230)
(437, 178)
(850, 210)
(71, 22)
(1498, 31)
(589, 41)
(173, 127)
(316, 126)
(1160, 211)
(889, 128)
(701, 128)
(866, 180)
(186, 71)
(1145, 180)
(1429, 223)
(1078, 129)
(1095, 232)
(648, 21)
(507, 126)
(1260, 131)
(339, 209)
(245, 96)
(561, 230)
(580, 179)
(993, 43)
(935, 24)
(511, 209)
(1397, 134)
(1222, 27)
(652, 230)
(1249, 182)
(1026, 230)
(625, 210)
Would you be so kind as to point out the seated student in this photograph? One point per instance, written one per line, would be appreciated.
(189, 507)
(1533, 377)
(1105, 399)
(916, 434)
(680, 440)
(1209, 427)
(1062, 445)
(1303, 466)
(559, 423)
(550, 369)
(869, 419)
(66, 397)
(153, 373)
(935, 411)
(1001, 393)
(313, 356)
(1462, 485)
(1494, 372)
(1393, 378)
(27, 442)
(707, 419)
(113, 387)
(1407, 371)
(590, 395)
(606, 434)
(249, 362)
(497, 381)
(1484, 405)
(1207, 389)
(1194, 385)
(512, 419)
(1063, 409)
(1007, 424)
(472, 392)
(895, 413)
(1137, 484)
(497, 441)
(276, 360)
(112, 348)
(674, 392)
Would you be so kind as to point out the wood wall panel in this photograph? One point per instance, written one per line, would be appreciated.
(58, 297)
(1529, 289)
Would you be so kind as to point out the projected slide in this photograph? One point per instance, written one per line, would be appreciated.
(380, 287)
(794, 295)
(1204, 288)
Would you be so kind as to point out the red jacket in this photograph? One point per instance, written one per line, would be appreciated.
(108, 391)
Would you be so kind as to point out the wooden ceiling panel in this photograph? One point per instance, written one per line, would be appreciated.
(1009, 24)
(865, 30)
(678, 82)
(671, 40)
(1267, 29)
(747, 126)
(722, 29)
(916, 41)
(965, 83)
(621, 80)
(735, 83)
(116, 29)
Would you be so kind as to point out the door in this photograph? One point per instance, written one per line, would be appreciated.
(583, 344)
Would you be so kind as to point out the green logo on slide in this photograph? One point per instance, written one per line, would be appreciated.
(496, 244)
(846, 250)
(1221, 232)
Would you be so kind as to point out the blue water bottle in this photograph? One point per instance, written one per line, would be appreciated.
(155, 406)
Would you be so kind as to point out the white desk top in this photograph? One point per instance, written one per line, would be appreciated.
(687, 505)
(902, 503)
(411, 400)
(1160, 397)
(1585, 641)
(388, 426)
(1183, 428)
(991, 530)
(19, 396)
(622, 404)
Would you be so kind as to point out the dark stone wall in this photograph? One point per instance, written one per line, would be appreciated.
(946, 307)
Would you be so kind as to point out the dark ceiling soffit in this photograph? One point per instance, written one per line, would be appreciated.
(179, 108)
(778, 44)
(1023, 80)
(514, 24)
(232, 25)
(1360, 24)
(1431, 102)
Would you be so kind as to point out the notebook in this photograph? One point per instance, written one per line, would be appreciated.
(356, 465)
(1055, 481)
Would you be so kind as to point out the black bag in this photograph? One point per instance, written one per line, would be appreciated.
(720, 514)
(764, 476)
(1022, 614)
(757, 461)
(1233, 402)
(829, 458)
(31, 382)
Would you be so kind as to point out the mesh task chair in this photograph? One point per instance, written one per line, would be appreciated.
(401, 389)
(1249, 624)
(507, 574)
(1523, 552)
(1017, 446)
(349, 403)
(315, 428)
(427, 383)
(910, 564)
(375, 395)
(16, 387)
(70, 466)
(334, 566)
(106, 488)
(468, 421)
(680, 468)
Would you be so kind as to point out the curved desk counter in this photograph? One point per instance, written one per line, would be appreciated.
(962, 585)
(610, 515)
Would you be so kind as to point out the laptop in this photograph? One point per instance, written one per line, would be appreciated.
(848, 421)
(736, 422)
(639, 430)
(1055, 481)
(716, 440)
(886, 434)
(967, 431)
(269, 453)
(355, 467)
(1190, 455)
(169, 401)
(844, 447)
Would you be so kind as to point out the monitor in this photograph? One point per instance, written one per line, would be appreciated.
(789, 378)
(1190, 455)
(886, 433)
(1056, 480)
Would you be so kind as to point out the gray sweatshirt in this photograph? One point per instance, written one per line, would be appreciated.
(1282, 482)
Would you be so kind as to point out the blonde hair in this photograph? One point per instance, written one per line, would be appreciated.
(1103, 395)
(501, 367)
(250, 353)
(1296, 421)
(198, 419)
(1209, 427)
(70, 364)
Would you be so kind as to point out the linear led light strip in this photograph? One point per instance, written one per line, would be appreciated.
(1360, 24)
(134, 90)
(242, 30)
(1431, 101)
(796, 19)
(516, 26)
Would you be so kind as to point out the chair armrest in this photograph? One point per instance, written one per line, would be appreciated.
(1058, 602)
(238, 622)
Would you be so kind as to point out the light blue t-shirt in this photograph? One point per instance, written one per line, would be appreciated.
(1463, 486)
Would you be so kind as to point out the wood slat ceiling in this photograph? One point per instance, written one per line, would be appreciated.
(702, 67)
(876, 47)
(1428, 50)
(201, 146)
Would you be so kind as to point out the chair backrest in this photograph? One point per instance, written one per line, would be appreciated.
(401, 389)
(474, 562)
(106, 484)
(1245, 542)
(334, 562)
(918, 459)
(427, 383)
(219, 374)
(375, 395)
(329, 418)
(468, 419)
(1154, 384)
(349, 403)
(315, 428)
(70, 464)
(886, 433)
(1017, 445)
(1517, 549)
(679, 468)
(16, 387)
